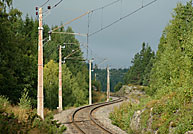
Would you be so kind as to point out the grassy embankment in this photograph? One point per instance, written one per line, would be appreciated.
(163, 113)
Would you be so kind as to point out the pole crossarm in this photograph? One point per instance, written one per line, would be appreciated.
(71, 21)
(71, 54)
(79, 34)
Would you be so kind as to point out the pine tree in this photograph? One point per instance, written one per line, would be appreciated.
(141, 66)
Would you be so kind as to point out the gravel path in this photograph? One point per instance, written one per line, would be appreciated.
(101, 114)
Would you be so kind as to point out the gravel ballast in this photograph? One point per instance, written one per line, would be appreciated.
(101, 115)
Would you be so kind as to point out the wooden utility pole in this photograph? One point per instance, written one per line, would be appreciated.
(40, 95)
(108, 84)
(90, 92)
(60, 80)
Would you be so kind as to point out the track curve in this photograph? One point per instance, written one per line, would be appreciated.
(84, 121)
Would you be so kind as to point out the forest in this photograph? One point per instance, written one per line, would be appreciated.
(18, 72)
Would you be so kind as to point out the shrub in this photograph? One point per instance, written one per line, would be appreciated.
(121, 116)
(24, 101)
(48, 125)
(3, 103)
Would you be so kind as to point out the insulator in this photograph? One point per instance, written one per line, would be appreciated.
(49, 37)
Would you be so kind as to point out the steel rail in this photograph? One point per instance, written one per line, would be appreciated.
(96, 122)
(92, 119)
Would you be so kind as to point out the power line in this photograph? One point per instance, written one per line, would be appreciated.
(45, 3)
(57, 4)
(107, 5)
(88, 12)
(116, 21)
(51, 7)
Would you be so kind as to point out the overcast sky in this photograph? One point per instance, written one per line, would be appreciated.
(118, 43)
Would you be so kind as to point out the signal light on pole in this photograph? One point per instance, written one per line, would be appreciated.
(49, 7)
(36, 13)
(36, 8)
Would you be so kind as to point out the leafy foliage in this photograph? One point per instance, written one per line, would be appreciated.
(118, 86)
(74, 93)
(51, 84)
(18, 59)
(17, 53)
(96, 85)
(18, 73)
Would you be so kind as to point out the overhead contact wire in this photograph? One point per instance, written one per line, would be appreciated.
(57, 4)
(116, 21)
(45, 3)
(106, 5)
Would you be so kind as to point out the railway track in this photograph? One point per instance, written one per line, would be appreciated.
(84, 121)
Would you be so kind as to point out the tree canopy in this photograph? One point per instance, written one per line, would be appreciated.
(18, 60)
(141, 66)
(173, 66)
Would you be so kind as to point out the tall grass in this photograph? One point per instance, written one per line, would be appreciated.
(23, 119)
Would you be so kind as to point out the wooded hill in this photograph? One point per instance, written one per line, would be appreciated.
(18, 61)
(167, 108)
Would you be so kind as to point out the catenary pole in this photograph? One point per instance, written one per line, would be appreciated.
(40, 96)
(108, 84)
(60, 80)
(90, 92)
